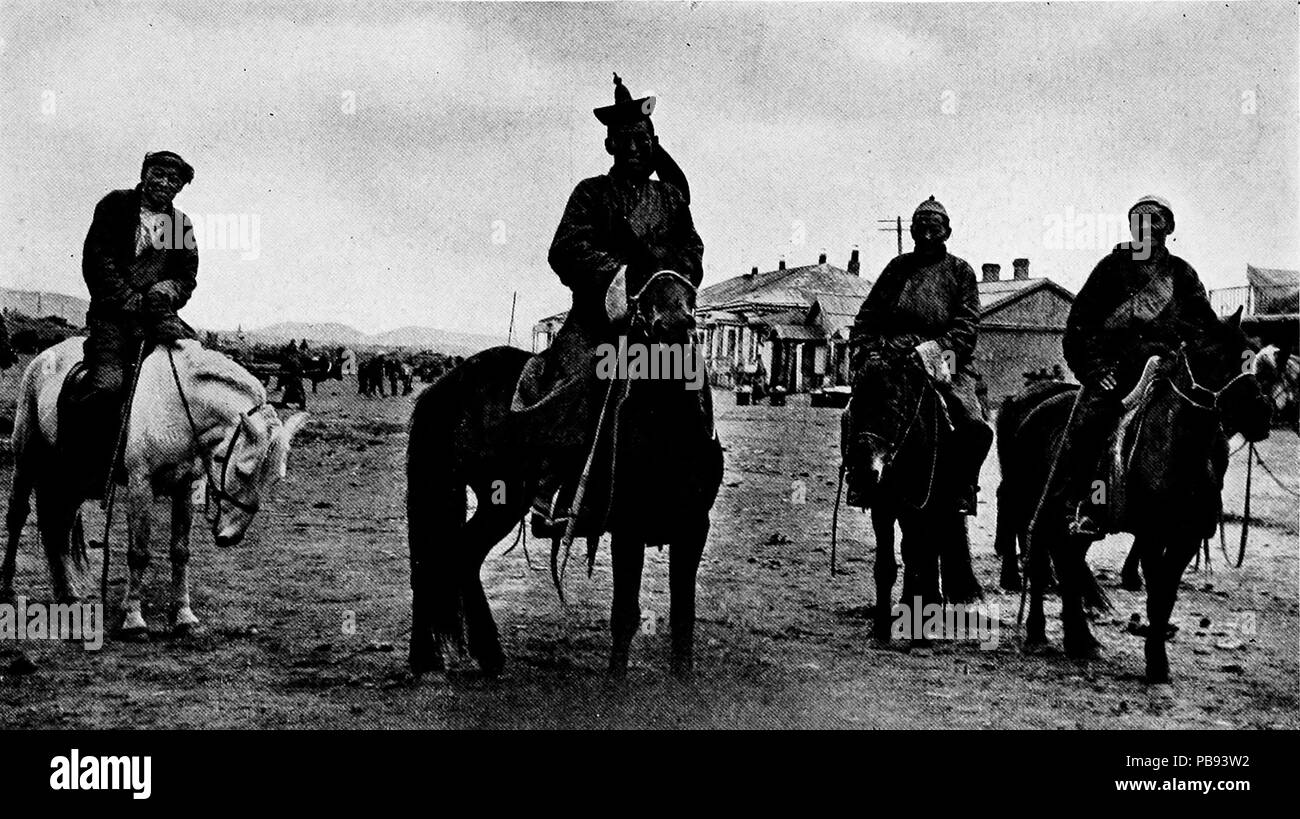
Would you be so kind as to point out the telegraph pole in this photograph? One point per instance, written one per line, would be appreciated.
(895, 226)
(510, 335)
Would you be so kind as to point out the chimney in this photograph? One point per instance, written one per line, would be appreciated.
(855, 266)
(754, 270)
(822, 258)
(1020, 268)
(781, 266)
(991, 271)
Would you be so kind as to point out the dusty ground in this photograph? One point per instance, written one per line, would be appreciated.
(781, 643)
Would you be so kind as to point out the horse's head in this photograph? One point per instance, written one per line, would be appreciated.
(243, 442)
(1221, 374)
(251, 457)
(663, 310)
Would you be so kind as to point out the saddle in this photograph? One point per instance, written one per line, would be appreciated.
(1119, 450)
(87, 436)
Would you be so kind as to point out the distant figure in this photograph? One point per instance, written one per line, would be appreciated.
(7, 357)
(1057, 373)
(393, 369)
(291, 377)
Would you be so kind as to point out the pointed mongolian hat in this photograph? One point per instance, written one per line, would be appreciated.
(625, 110)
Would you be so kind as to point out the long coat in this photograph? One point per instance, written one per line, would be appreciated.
(609, 222)
(1131, 309)
(917, 300)
(114, 273)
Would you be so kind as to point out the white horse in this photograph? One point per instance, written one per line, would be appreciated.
(196, 416)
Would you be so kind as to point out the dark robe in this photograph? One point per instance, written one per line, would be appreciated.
(917, 300)
(1131, 309)
(610, 221)
(1128, 310)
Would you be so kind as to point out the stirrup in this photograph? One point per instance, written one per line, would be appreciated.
(1082, 524)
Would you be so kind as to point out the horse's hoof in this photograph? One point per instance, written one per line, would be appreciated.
(426, 664)
(133, 627)
(492, 666)
(133, 635)
(1085, 649)
(682, 667)
(1158, 679)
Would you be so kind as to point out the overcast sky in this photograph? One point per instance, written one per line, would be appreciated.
(407, 163)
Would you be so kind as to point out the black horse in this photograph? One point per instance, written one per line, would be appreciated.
(323, 367)
(907, 454)
(1171, 491)
(665, 480)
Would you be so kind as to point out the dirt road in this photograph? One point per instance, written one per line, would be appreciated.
(780, 643)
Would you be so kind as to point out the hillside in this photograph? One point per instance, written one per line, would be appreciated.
(40, 304)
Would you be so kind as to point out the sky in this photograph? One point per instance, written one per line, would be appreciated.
(407, 163)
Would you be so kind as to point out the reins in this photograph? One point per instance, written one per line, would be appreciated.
(214, 489)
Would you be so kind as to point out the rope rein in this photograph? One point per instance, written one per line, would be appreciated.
(214, 488)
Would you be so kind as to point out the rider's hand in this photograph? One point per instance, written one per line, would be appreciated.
(1105, 380)
(157, 301)
(932, 359)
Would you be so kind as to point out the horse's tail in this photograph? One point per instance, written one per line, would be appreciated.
(25, 440)
(435, 513)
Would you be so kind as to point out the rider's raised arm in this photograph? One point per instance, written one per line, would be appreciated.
(580, 254)
(104, 277)
(689, 247)
(964, 308)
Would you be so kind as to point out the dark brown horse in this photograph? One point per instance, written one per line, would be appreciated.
(1172, 490)
(665, 478)
(907, 453)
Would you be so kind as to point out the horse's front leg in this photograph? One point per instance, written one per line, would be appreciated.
(627, 558)
(1072, 574)
(886, 572)
(183, 619)
(138, 497)
(1163, 573)
(683, 567)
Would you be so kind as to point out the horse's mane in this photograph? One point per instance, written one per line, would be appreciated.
(211, 366)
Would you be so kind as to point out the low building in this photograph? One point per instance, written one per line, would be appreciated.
(1022, 325)
(544, 331)
(789, 324)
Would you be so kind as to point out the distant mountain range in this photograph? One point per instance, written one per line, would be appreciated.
(39, 304)
(424, 338)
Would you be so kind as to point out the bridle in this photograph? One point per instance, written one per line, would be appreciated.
(1197, 387)
(215, 489)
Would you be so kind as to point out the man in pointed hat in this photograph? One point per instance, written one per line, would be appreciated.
(621, 218)
(1139, 301)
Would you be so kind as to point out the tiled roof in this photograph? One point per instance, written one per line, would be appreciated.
(792, 287)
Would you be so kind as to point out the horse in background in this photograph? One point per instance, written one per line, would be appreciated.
(665, 483)
(197, 416)
(1171, 491)
(323, 367)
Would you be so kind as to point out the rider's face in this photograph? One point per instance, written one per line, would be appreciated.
(929, 230)
(160, 184)
(632, 147)
(1149, 223)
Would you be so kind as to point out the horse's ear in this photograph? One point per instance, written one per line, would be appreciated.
(1234, 321)
(279, 453)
